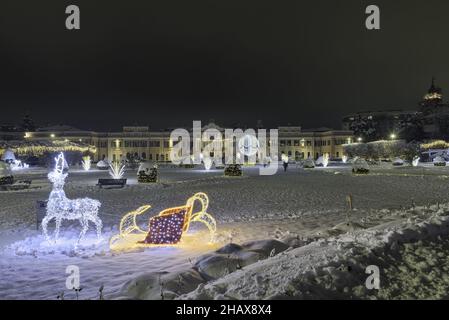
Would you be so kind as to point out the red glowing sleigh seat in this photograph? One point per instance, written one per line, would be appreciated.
(167, 227)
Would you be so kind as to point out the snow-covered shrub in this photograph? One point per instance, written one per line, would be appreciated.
(415, 161)
(233, 170)
(308, 164)
(383, 150)
(322, 161)
(398, 162)
(360, 166)
(6, 176)
(8, 156)
(103, 165)
(439, 161)
(18, 165)
(147, 173)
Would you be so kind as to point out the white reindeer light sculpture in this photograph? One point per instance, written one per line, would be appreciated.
(60, 208)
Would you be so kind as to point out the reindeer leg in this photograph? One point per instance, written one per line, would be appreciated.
(99, 225)
(58, 225)
(85, 226)
(44, 224)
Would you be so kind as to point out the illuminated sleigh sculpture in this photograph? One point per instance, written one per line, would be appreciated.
(167, 228)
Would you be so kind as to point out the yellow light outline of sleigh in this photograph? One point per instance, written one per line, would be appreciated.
(128, 224)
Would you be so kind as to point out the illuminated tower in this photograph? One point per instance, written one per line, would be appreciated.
(432, 99)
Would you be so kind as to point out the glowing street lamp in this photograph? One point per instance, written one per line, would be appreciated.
(392, 136)
(52, 135)
(359, 139)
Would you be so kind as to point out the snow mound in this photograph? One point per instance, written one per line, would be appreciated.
(410, 252)
(215, 265)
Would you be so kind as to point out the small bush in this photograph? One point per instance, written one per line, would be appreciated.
(147, 176)
(233, 170)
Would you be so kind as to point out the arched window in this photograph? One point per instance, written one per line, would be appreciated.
(297, 155)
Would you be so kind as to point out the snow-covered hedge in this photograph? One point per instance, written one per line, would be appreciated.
(383, 150)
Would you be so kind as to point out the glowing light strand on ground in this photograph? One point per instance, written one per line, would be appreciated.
(59, 207)
(168, 227)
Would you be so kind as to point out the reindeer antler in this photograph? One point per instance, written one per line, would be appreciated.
(59, 167)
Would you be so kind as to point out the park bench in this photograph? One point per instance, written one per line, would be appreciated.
(111, 183)
(15, 185)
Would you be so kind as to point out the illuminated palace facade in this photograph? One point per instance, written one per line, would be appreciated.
(142, 143)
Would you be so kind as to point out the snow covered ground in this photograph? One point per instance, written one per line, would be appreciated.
(306, 209)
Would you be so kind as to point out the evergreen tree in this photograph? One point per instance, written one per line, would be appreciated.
(28, 124)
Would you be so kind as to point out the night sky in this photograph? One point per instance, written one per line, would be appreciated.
(165, 63)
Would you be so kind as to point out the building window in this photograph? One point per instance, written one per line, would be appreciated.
(144, 156)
